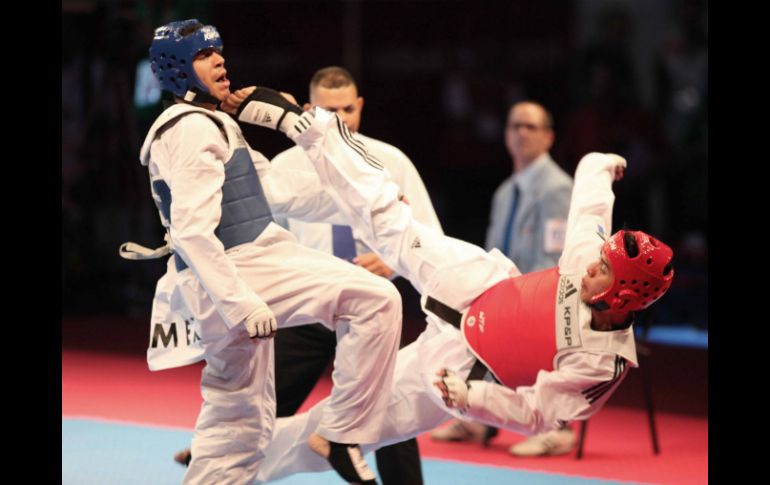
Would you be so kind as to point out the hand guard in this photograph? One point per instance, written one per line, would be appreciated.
(266, 107)
(261, 323)
(618, 161)
(454, 390)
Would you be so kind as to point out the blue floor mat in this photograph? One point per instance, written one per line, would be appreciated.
(100, 452)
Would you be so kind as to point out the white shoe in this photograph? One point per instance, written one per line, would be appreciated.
(556, 442)
(459, 431)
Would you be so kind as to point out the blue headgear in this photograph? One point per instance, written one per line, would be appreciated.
(171, 55)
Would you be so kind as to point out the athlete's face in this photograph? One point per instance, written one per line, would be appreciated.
(599, 277)
(209, 66)
(344, 101)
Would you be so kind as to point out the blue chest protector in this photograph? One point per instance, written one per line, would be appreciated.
(245, 211)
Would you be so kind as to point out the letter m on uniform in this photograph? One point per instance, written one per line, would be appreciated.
(159, 331)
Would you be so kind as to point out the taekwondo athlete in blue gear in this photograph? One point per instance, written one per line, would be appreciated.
(240, 274)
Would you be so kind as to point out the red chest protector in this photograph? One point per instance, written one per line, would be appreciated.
(511, 327)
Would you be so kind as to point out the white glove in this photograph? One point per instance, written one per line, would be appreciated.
(454, 390)
(619, 165)
(261, 323)
(617, 160)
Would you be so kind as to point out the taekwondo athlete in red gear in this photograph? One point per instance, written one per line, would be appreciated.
(588, 304)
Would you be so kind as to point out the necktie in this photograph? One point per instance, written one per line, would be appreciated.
(507, 238)
(343, 244)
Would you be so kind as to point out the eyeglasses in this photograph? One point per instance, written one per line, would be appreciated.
(527, 126)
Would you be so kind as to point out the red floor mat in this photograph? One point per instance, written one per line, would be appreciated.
(617, 446)
(120, 387)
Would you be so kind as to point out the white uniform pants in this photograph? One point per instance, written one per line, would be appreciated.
(300, 285)
(450, 270)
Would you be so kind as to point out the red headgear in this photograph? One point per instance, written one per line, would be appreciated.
(639, 279)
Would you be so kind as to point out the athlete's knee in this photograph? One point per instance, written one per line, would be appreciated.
(388, 296)
(387, 309)
(373, 303)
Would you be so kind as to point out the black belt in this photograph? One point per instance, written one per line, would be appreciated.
(444, 312)
(454, 318)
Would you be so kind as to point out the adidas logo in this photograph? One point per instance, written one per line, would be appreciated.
(416, 243)
(570, 289)
(566, 289)
(267, 118)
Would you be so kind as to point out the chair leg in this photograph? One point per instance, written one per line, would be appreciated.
(647, 387)
(583, 425)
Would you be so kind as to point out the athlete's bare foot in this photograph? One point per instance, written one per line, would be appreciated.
(319, 445)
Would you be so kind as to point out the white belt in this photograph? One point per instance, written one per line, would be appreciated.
(133, 251)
